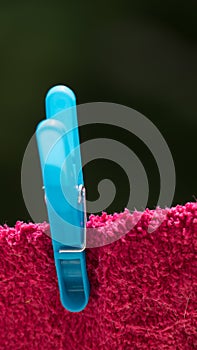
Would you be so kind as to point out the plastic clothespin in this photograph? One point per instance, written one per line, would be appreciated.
(60, 158)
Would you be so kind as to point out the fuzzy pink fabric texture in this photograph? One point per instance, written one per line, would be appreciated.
(143, 288)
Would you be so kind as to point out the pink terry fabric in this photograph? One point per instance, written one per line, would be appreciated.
(143, 288)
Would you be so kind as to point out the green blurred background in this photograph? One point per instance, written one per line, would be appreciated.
(142, 54)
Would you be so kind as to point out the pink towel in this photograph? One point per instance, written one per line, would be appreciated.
(143, 288)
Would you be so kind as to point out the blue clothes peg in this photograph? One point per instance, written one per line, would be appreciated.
(60, 158)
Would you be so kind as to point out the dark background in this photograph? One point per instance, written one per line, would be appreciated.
(142, 54)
